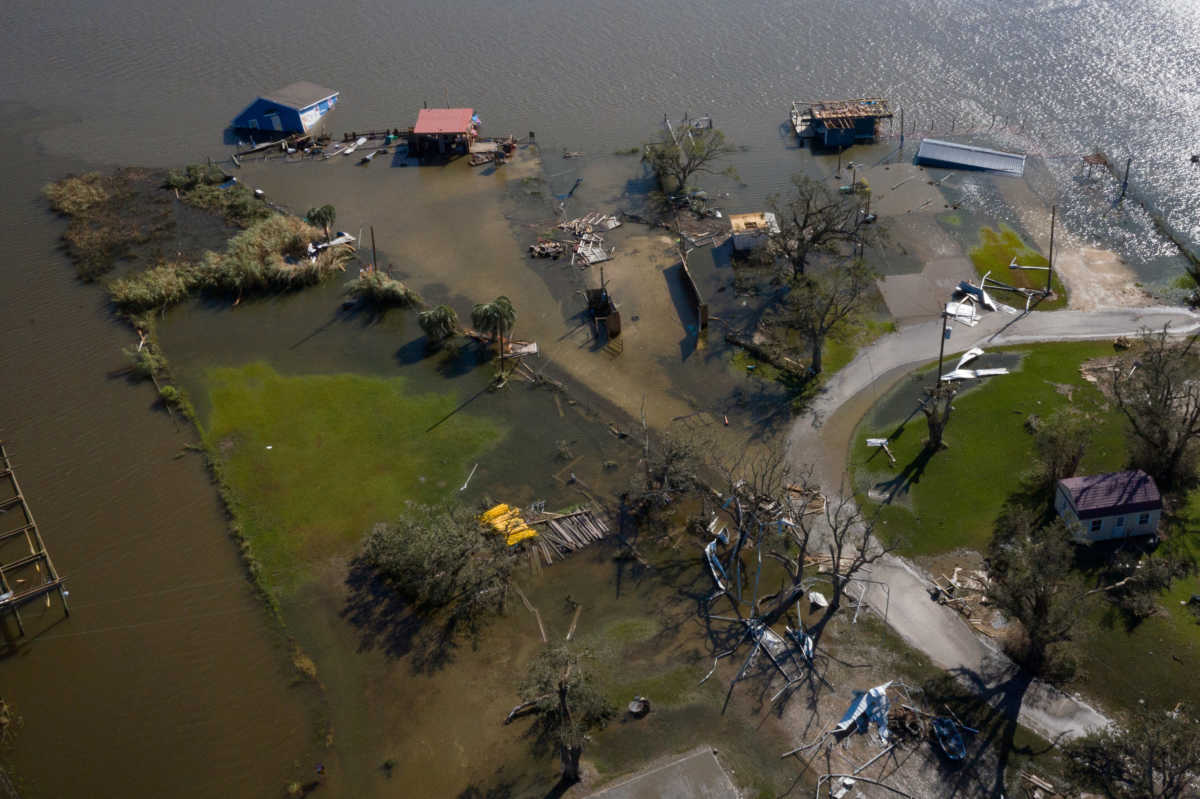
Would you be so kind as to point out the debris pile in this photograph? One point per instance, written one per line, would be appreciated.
(967, 592)
(547, 248)
(591, 223)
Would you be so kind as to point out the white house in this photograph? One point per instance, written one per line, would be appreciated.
(1101, 507)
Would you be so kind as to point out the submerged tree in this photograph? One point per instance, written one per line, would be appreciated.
(1032, 581)
(443, 561)
(1155, 757)
(818, 303)
(495, 318)
(324, 215)
(692, 151)
(438, 323)
(562, 691)
(814, 218)
(1158, 391)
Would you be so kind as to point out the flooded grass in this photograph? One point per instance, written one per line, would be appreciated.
(951, 499)
(996, 251)
(313, 461)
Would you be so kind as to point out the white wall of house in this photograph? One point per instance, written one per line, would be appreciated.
(1105, 528)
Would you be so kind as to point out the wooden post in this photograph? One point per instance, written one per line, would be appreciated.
(1125, 180)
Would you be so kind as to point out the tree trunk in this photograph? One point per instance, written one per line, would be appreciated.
(818, 348)
(570, 762)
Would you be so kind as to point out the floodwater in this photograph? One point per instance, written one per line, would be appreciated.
(169, 679)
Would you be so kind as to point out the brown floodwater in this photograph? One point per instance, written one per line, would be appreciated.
(169, 678)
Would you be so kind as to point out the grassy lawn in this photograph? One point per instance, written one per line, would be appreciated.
(840, 347)
(313, 461)
(995, 252)
(952, 500)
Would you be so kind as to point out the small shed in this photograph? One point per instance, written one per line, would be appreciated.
(443, 131)
(841, 123)
(751, 230)
(953, 155)
(295, 108)
(1101, 507)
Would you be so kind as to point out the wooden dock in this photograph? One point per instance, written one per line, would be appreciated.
(26, 570)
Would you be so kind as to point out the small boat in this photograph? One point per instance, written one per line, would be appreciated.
(358, 143)
(949, 737)
(366, 159)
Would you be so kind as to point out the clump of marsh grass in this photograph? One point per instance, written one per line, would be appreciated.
(260, 259)
(75, 194)
(204, 186)
(380, 289)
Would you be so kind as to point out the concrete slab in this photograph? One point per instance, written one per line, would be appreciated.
(696, 775)
(926, 293)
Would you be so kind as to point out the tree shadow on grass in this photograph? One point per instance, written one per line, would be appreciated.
(908, 476)
(988, 701)
(387, 622)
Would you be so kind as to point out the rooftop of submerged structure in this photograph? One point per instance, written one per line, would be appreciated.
(862, 108)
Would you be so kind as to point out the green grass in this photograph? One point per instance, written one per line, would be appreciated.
(345, 451)
(955, 500)
(995, 252)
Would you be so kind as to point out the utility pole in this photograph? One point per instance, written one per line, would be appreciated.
(942, 348)
(1050, 260)
(1125, 181)
(902, 130)
(374, 262)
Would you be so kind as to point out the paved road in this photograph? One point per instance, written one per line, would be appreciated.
(696, 775)
(934, 629)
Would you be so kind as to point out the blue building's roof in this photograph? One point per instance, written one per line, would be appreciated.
(969, 156)
(299, 95)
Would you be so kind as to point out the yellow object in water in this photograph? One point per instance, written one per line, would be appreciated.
(520, 535)
(492, 513)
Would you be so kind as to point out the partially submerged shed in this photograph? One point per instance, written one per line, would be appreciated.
(1100, 507)
(443, 131)
(953, 155)
(295, 108)
(841, 123)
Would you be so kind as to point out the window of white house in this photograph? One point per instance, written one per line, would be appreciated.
(1096, 525)
(1120, 521)
(1144, 518)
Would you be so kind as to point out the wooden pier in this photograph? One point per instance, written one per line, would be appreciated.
(26, 570)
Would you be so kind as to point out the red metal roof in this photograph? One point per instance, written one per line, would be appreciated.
(443, 120)
(1112, 493)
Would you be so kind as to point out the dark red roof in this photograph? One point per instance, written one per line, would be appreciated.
(1112, 493)
(443, 120)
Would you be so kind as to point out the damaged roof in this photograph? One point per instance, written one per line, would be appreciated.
(1112, 493)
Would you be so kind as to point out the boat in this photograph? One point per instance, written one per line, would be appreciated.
(366, 159)
(949, 737)
(358, 143)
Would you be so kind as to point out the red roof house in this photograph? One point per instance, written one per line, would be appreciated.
(443, 132)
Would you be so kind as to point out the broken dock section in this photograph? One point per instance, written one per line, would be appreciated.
(26, 570)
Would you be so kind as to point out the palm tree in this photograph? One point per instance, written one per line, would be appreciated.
(324, 216)
(496, 317)
(439, 323)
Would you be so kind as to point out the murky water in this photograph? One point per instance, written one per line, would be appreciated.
(195, 699)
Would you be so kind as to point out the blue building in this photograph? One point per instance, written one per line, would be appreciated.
(295, 108)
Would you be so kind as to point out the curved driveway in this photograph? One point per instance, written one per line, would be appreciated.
(934, 629)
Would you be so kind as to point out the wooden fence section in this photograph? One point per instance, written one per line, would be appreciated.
(26, 570)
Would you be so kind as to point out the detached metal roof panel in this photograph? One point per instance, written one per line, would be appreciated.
(948, 153)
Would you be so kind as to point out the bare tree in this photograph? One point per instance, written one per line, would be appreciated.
(819, 303)
(1158, 391)
(814, 218)
(1155, 757)
(938, 405)
(690, 152)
